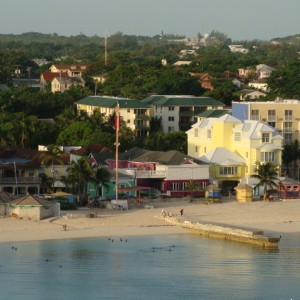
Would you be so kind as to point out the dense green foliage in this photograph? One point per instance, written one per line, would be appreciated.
(134, 70)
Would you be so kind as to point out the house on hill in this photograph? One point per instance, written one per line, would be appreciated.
(62, 84)
(205, 80)
(72, 70)
(47, 77)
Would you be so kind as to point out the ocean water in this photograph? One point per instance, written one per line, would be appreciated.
(152, 267)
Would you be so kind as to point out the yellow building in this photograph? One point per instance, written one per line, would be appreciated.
(283, 115)
(233, 147)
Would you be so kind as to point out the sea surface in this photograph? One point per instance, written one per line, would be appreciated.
(152, 267)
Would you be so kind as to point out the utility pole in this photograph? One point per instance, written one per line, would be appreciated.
(117, 126)
(105, 48)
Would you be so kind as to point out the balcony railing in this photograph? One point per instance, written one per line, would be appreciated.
(20, 180)
(150, 174)
(142, 117)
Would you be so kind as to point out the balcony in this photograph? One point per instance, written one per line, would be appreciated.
(144, 173)
(142, 127)
(20, 180)
(186, 113)
(150, 174)
(142, 117)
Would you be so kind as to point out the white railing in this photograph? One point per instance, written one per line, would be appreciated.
(150, 174)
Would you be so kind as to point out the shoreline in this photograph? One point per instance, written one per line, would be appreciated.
(278, 217)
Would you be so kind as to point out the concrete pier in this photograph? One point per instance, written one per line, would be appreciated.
(227, 233)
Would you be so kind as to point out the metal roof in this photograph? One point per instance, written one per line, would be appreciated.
(111, 102)
(181, 100)
(222, 156)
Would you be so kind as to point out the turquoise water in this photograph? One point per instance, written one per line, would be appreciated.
(152, 267)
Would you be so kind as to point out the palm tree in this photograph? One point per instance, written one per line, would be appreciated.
(102, 176)
(51, 157)
(79, 173)
(267, 174)
(25, 126)
(46, 182)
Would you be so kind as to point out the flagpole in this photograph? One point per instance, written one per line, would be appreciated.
(117, 125)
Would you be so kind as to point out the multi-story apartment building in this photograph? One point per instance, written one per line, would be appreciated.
(283, 115)
(134, 113)
(179, 112)
(232, 147)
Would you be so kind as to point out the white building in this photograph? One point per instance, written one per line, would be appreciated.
(177, 113)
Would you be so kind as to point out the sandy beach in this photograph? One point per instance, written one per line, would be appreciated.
(278, 217)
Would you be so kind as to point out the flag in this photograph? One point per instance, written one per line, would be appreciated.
(117, 122)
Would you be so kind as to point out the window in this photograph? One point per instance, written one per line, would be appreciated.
(209, 133)
(31, 173)
(170, 129)
(287, 138)
(288, 126)
(196, 149)
(266, 137)
(175, 186)
(128, 121)
(128, 110)
(272, 115)
(272, 124)
(171, 119)
(288, 115)
(196, 132)
(268, 157)
(171, 108)
(237, 136)
(228, 170)
(255, 114)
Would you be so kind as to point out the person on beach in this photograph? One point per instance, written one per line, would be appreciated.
(181, 212)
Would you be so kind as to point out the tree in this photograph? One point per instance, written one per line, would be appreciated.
(102, 177)
(25, 127)
(290, 158)
(285, 81)
(50, 158)
(266, 173)
(84, 133)
(79, 173)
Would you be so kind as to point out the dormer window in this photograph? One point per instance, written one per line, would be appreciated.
(266, 137)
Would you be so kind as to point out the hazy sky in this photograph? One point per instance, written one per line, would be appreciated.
(238, 19)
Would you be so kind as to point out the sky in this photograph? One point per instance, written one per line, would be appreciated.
(237, 19)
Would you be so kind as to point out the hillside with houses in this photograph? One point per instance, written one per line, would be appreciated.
(130, 116)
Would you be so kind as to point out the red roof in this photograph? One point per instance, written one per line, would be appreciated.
(49, 76)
